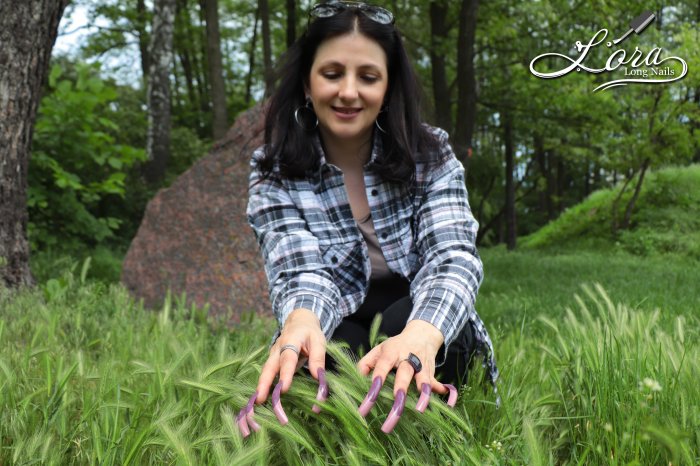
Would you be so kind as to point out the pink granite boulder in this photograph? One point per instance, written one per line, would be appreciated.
(194, 237)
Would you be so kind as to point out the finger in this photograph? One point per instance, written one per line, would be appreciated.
(267, 375)
(396, 410)
(423, 383)
(322, 393)
(317, 357)
(242, 423)
(404, 375)
(288, 366)
(427, 376)
(438, 387)
(277, 405)
(365, 364)
(452, 400)
(371, 397)
(424, 398)
(383, 365)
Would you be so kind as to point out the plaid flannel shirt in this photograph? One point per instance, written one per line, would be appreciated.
(316, 258)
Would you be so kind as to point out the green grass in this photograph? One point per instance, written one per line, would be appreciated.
(527, 283)
(88, 377)
(666, 219)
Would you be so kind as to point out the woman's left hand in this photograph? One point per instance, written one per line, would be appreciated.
(418, 337)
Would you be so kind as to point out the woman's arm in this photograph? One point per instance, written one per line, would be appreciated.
(303, 295)
(296, 273)
(445, 287)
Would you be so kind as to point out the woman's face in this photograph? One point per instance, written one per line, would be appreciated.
(347, 84)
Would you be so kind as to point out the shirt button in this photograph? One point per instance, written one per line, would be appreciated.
(384, 235)
(374, 192)
(334, 260)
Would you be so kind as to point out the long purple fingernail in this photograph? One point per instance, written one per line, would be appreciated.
(371, 397)
(322, 394)
(395, 414)
(277, 405)
(251, 402)
(452, 400)
(424, 398)
(242, 424)
(251, 421)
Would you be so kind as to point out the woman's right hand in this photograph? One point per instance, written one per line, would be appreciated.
(303, 330)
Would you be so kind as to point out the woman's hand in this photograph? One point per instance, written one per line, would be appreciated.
(418, 337)
(301, 329)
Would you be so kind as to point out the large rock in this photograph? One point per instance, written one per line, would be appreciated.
(195, 238)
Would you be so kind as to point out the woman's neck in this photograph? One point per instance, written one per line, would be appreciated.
(347, 155)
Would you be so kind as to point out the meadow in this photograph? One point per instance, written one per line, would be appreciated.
(590, 374)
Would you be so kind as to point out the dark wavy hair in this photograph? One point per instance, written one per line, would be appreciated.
(290, 148)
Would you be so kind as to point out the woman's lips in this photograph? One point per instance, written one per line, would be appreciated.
(346, 113)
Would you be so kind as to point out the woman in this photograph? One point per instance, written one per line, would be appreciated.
(360, 209)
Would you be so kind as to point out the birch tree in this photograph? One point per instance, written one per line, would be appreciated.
(160, 53)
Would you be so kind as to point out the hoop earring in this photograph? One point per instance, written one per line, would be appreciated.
(300, 119)
(376, 122)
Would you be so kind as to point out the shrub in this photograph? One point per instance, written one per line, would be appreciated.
(77, 164)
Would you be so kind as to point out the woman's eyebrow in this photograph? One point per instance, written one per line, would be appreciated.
(336, 63)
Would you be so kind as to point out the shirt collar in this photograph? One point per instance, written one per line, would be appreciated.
(377, 147)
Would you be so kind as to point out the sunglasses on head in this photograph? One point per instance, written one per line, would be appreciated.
(375, 13)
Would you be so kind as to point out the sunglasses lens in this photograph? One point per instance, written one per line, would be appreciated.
(380, 15)
(324, 11)
(375, 13)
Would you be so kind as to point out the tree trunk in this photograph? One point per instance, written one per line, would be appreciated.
(637, 189)
(438, 38)
(291, 22)
(541, 158)
(186, 64)
(696, 124)
(202, 69)
(216, 72)
(613, 208)
(143, 38)
(511, 233)
(696, 99)
(158, 143)
(28, 31)
(181, 44)
(251, 60)
(495, 222)
(264, 10)
(466, 79)
(561, 182)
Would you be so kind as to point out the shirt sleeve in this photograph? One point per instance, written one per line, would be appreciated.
(296, 273)
(445, 287)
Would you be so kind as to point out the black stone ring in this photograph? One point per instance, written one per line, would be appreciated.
(414, 362)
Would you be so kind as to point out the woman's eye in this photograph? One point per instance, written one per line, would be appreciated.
(370, 78)
(331, 75)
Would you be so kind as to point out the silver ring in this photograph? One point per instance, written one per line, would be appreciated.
(291, 347)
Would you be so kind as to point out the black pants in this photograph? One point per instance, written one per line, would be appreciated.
(390, 298)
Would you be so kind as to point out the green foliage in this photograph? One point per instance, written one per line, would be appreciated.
(584, 137)
(666, 218)
(186, 149)
(77, 163)
(105, 263)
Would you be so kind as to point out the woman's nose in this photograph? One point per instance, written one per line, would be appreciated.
(348, 89)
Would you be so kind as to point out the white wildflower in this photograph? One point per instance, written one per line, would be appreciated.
(650, 384)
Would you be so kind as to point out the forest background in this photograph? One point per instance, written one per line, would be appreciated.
(588, 204)
(532, 147)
